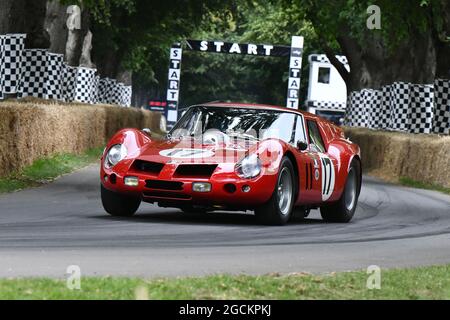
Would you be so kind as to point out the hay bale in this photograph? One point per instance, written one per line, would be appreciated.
(391, 155)
(33, 128)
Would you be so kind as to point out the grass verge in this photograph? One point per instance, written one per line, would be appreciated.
(47, 169)
(422, 185)
(417, 283)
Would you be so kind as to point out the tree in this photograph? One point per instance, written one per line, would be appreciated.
(412, 44)
(25, 16)
(211, 77)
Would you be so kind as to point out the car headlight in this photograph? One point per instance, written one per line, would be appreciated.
(249, 167)
(115, 154)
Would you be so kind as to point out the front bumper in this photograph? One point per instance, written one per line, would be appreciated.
(227, 189)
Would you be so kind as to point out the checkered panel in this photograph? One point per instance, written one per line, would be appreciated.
(1, 61)
(374, 108)
(421, 108)
(116, 94)
(54, 81)
(385, 108)
(355, 115)
(106, 90)
(441, 121)
(95, 92)
(326, 105)
(126, 96)
(34, 73)
(11, 66)
(323, 58)
(84, 89)
(400, 111)
(69, 82)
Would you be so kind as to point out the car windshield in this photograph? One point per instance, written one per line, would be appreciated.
(234, 121)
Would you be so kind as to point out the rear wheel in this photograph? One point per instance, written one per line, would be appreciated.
(278, 209)
(117, 204)
(344, 209)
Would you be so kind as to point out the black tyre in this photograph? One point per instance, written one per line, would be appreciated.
(343, 210)
(278, 210)
(119, 205)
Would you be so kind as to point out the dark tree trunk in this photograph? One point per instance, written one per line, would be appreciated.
(25, 16)
(55, 24)
(75, 40)
(109, 62)
(376, 65)
(442, 38)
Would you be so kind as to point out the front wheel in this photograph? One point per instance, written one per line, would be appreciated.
(344, 209)
(119, 205)
(278, 209)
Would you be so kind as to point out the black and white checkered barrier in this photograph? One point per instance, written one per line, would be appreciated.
(356, 115)
(41, 74)
(441, 119)
(34, 74)
(421, 108)
(54, 80)
(84, 85)
(402, 107)
(11, 58)
(113, 92)
(69, 82)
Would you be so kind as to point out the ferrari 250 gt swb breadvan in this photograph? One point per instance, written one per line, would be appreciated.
(271, 160)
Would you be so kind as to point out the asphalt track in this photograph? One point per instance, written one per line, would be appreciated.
(46, 229)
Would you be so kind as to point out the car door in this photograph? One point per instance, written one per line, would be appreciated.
(324, 165)
(307, 165)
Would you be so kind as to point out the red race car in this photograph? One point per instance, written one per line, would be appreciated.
(219, 156)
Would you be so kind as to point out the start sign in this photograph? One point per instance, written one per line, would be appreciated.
(294, 52)
(238, 48)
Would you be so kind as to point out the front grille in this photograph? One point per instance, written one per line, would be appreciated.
(166, 195)
(164, 185)
(195, 170)
(148, 166)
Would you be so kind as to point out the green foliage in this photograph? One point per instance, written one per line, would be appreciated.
(137, 34)
(211, 77)
(422, 185)
(399, 19)
(47, 169)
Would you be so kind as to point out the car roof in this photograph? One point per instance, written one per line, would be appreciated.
(255, 106)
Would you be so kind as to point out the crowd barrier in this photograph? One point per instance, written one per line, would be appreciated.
(405, 107)
(42, 74)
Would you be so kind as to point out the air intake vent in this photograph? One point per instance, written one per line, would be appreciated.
(195, 170)
(164, 185)
(147, 166)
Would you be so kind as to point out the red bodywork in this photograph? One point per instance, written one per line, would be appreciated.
(174, 186)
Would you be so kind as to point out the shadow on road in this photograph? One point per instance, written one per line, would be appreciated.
(212, 218)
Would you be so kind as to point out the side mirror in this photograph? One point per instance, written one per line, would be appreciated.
(147, 131)
(302, 145)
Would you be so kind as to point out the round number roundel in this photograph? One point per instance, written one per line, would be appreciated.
(186, 153)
